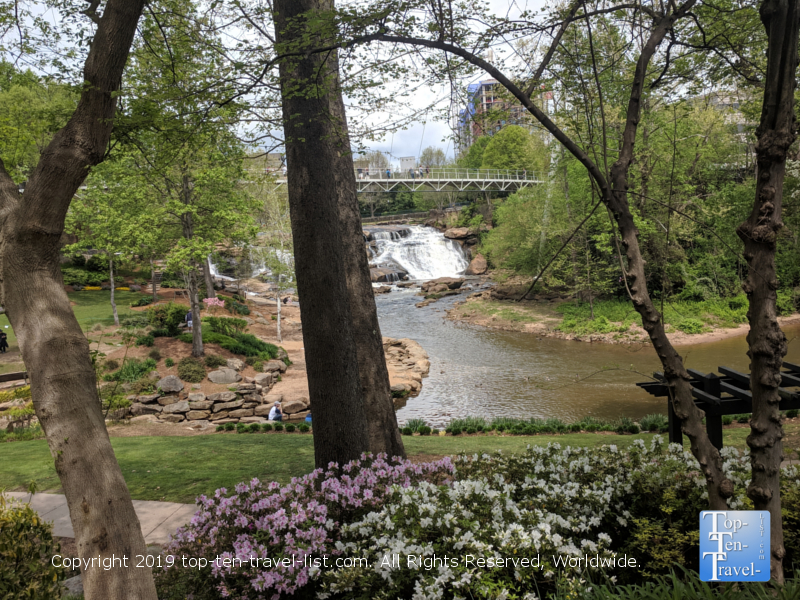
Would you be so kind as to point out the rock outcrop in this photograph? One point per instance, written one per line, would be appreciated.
(477, 266)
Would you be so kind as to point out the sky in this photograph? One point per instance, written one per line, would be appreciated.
(431, 131)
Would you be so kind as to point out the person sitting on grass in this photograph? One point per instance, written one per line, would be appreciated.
(275, 413)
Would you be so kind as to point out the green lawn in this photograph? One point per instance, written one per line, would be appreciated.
(90, 308)
(178, 469)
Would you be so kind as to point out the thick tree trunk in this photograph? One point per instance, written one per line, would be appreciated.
(54, 349)
(153, 281)
(194, 301)
(766, 341)
(210, 293)
(278, 320)
(111, 277)
(314, 149)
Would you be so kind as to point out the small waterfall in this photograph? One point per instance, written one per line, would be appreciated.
(425, 253)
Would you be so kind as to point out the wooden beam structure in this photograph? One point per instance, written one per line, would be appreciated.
(724, 394)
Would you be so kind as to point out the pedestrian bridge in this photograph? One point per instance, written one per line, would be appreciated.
(438, 180)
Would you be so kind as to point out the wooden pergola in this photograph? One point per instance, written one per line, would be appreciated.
(724, 394)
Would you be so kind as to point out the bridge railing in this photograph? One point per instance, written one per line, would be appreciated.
(448, 173)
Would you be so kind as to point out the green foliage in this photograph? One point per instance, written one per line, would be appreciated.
(266, 426)
(145, 340)
(244, 344)
(792, 413)
(515, 148)
(190, 369)
(415, 424)
(691, 326)
(143, 301)
(653, 422)
(76, 276)
(407, 431)
(214, 360)
(473, 159)
(235, 307)
(155, 354)
(134, 321)
(132, 369)
(26, 546)
(111, 364)
(22, 434)
(290, 428)
(167, 316)
(241, 428)
(225, 325)
(303, 428)
(229, 426)
(159, 333)
(168, 362)
(278, 427)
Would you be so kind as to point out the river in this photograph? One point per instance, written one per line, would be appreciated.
(482, 372)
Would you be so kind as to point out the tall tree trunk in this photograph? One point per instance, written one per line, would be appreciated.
(278, 320)
(194, 301)
(210, 293)
(314, 149)
(55, 350)
(766, 341)
(111, 277)
(153, 281)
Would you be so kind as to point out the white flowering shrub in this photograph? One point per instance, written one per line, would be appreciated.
(494, 527)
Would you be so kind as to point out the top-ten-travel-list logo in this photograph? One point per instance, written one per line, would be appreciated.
(734, 545)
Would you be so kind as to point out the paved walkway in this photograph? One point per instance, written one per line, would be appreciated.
(159, 520)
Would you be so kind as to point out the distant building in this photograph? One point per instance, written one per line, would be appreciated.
(488, 109)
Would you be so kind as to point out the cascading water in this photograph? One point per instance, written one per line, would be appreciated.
(424, 253)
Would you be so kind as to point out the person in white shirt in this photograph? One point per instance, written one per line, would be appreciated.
(275, 413)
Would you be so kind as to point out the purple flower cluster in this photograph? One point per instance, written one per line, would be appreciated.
(263, 540)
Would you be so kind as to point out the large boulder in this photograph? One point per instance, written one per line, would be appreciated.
(138, 409)
(274, 365)
(201, 404)
(242, 412)
(144, 419)
(178, 407)
(197, 415)
(272, 398)
(457, 233)
(252, 420)
(172, 418)
(196, 397)
(167, 400)
(148, 399)
(477, 266)
(223, 397)
(170, 383)
(263, 379)
(262, 410)
(236, 364)
(224, 376)
(294, 405)
(228, 405)
(442, 284)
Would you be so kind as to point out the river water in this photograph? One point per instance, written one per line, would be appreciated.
(482, 372)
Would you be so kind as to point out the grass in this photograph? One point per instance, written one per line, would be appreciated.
(168, 469)
(502, 310)
(688, 316)
(89, 308)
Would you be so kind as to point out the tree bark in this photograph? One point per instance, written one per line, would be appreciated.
(766, 341)
(111, 277)
(278, 319)
(153, 281)
(210, 293)
(54, 348)
(314, 149)
(194, 302)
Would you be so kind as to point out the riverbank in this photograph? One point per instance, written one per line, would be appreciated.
(544, 318)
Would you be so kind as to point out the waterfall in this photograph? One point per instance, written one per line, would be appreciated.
(425, 253)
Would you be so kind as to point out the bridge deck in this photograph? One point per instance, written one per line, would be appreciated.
(436, 184)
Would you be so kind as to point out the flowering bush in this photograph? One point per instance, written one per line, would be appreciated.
(297, 522)
(213, 303)
(503, 526)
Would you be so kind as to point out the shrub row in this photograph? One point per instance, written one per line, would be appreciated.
(263, 427)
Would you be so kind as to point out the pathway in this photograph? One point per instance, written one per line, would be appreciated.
(159, 520)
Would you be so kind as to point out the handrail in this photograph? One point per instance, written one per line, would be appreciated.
(437, 173)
